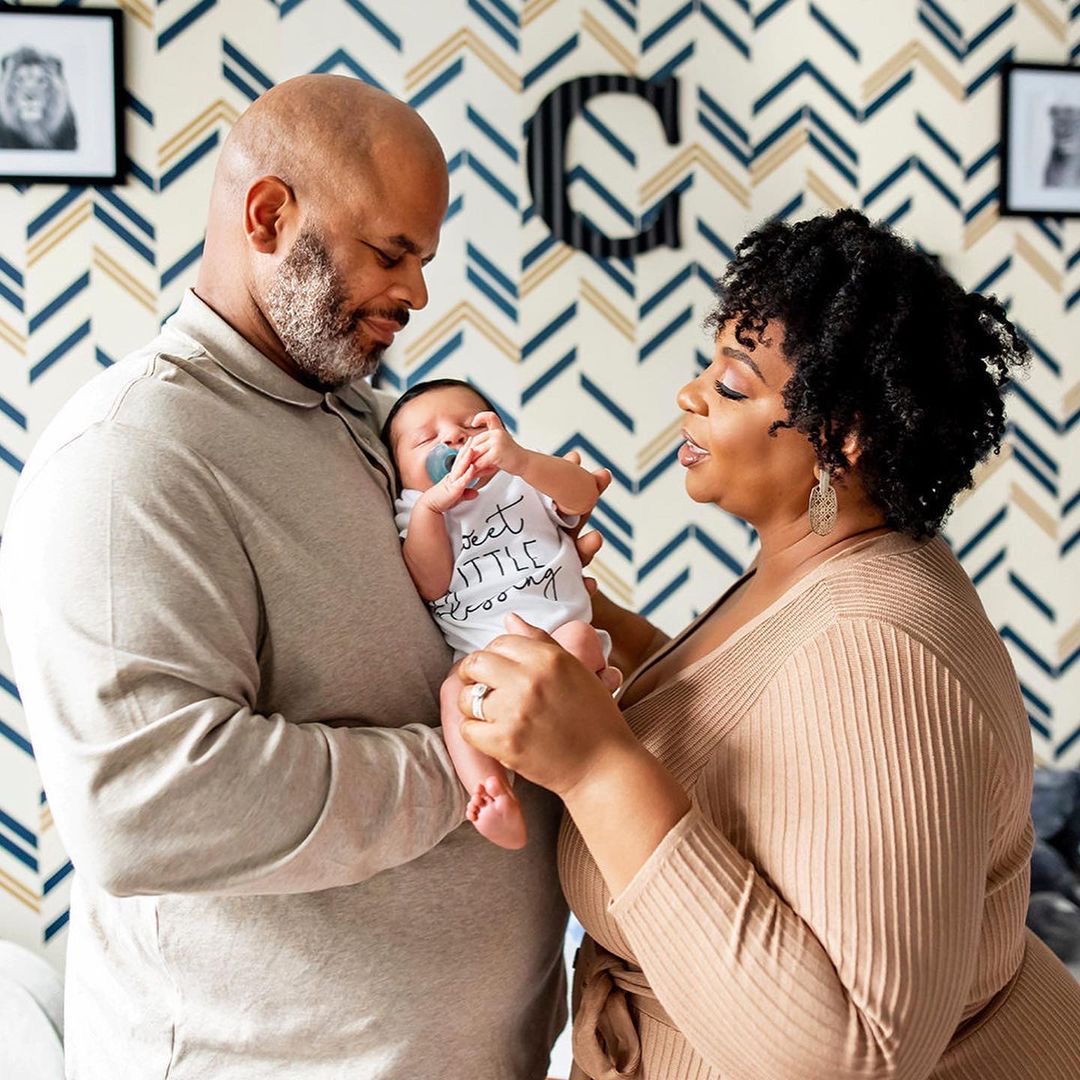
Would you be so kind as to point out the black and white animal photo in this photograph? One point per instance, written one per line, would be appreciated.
(1063, 166)
(35, 104)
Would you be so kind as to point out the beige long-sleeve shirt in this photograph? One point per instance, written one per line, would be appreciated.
(232, 690)
(846, 896)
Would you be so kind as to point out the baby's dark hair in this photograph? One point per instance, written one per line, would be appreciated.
(884, 345)
(416, 391)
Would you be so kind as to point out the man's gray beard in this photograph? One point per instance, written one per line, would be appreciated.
(307, 303)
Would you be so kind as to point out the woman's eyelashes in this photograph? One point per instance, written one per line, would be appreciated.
(727, 392)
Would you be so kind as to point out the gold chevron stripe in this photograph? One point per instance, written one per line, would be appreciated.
(534, 9)
(824, 192)
(1069, 642)
(20, 891)
(1072, 400)
(621, 55)
(766, 166)
(914, 52)
(463, 312)
(13, 338)
(46, 822)
(547, 266)
(610, 582)
(195, 129)
(606, 308)
(1025, 501)
(81, 212)
(659, 444)
(695, 154)
(1028, 252)
(129, 284)
(977, 229)
(463, 39)
(139, 12)
(1056, 26)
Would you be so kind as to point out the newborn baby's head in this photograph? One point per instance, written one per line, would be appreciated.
(430, 413)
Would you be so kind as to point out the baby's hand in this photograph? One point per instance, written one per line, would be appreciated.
(454, 487)
(495, 448)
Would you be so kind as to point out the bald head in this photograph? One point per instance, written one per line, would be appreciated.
(327, 202)
(320, 129)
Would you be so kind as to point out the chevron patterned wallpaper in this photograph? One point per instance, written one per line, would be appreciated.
(789, 107)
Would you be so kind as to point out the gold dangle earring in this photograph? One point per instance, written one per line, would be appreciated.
(822, 507)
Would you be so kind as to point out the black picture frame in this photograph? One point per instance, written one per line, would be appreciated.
(1039, 172)
(98, 157)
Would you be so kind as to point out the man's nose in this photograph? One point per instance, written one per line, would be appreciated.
(409, 288)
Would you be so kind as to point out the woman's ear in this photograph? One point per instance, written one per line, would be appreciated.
(267, 207)
(851, 449)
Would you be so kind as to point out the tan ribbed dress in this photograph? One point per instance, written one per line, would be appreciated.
(846, 896)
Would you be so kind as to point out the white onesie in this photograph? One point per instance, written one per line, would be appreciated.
(511, 554)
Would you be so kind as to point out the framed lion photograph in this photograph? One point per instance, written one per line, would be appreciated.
(1040, 140)
(61, 88)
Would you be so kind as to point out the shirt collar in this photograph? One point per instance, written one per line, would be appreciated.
(230, 350)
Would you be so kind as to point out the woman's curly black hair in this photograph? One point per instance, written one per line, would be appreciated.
(883, 344)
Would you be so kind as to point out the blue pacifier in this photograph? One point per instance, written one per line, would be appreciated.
(440, 463)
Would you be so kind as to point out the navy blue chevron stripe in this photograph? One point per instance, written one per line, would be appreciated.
(937, 138)
(12, 413)
(16, 739)
(480, 283)
(54, 305)
(171, 273)
(474, 117)
(11, 272)
(577, 441)
(11, 460)
(262, 80)
(627, 17)
(607, 403)
(888, 94)
(982, 533)
(549, 376)
(766, 13)
(604, 505)
(506, 193)
(724, 29)
(608, 136)
(249, 91)
(980, 162)
(56, 926)
(342, 58)
(975, 86)
(12, 297)
(1030, 595)
(60, 351)
(177, 28)
(58, 207)
(548, 330)
(20, 853)
(988, 568)
(116, 201)
(189, 160)
(491, 19)
(664, 465)
(117, 229)
(18, 829)
(665, 593)
(447, 75)
(805, 67)
(666, 290)
(444, 352)
(550, 61)
(657, 340)
(668, 69)
(53, 880)
(579, 173)
(141, 110)
(608, 267)
(833, 31)
(612, 539)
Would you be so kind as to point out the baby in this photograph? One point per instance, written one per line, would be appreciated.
(486, 540)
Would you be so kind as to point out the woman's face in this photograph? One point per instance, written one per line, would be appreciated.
(729, 456)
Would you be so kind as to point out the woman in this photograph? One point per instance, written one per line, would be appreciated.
(813, 810)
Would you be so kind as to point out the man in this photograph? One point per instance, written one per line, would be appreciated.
(230, 680)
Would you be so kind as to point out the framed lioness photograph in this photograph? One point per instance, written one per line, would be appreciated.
(61, 85)
(1040, 140)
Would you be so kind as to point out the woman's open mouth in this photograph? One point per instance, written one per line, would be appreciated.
(690, 453)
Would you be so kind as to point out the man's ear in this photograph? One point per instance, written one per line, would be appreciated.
(268, 205)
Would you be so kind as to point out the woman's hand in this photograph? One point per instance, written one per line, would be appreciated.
(545, 716)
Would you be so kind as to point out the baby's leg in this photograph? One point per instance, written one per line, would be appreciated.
(581, 640)
(493, 807)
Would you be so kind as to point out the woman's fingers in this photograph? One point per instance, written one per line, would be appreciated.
(588, 544)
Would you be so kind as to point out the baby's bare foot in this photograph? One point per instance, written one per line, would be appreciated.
(496, 813)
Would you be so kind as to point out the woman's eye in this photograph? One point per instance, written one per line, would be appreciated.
(726, 391)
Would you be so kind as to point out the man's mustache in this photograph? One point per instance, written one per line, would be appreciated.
(398, 315)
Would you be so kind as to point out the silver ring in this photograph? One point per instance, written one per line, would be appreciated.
(478, 691)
